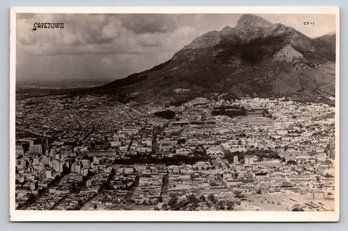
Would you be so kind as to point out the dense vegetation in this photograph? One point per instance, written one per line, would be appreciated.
(260, 154)
(167, 114)
(175, 160)
(230, 111)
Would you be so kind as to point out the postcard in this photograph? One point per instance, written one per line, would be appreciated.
(185, 114)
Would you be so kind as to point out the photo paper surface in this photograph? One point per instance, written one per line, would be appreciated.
(174, 114)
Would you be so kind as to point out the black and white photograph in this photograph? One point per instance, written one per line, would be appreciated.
(174, 114)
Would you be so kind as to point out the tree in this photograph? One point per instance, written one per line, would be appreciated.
(213, 183)
(112, 173)
(230, 205)
(291, 162)
(211, 197)
(80, 203)
(327, 175)
(239, 194)
(221, 205)
(191, 198)
(172, 201)
(297, 209)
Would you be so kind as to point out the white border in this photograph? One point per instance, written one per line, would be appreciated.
(170, 216)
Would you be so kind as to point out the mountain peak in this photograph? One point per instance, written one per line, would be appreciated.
(256, 58)
(226, 28)
(252, 21)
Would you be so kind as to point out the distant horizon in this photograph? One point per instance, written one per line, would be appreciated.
(61, 83)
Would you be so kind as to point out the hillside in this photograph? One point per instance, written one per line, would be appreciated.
(255, 58)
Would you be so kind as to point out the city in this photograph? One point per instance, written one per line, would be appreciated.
(90, 152)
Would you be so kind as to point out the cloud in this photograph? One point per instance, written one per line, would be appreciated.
(102, 34)
(110, 46)
(106, 33)
(142, 23)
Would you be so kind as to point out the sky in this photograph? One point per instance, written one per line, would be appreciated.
(112, 46)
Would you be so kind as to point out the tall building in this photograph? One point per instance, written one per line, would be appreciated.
(86, 163)
(76, 167)
(58, 166)
(332, 150)
(235, 160)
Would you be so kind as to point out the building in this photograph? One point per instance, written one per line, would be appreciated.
(167, 145)
(58, 166)
(235, 160)
(215, 151)
(249, 160)
(21, 164)
(332, 150)
(37, 148)
(130, 130)
(19, 150)
(86, 163)
(48, 174)
(76, 167)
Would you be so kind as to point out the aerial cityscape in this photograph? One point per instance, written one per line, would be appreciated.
(241, 119)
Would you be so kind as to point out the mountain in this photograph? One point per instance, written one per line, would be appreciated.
(255, 58)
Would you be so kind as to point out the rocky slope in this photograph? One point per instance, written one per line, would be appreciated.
(255, 58)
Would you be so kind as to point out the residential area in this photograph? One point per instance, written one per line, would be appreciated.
(92, 153)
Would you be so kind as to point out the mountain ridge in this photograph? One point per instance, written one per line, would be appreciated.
(237, 61)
